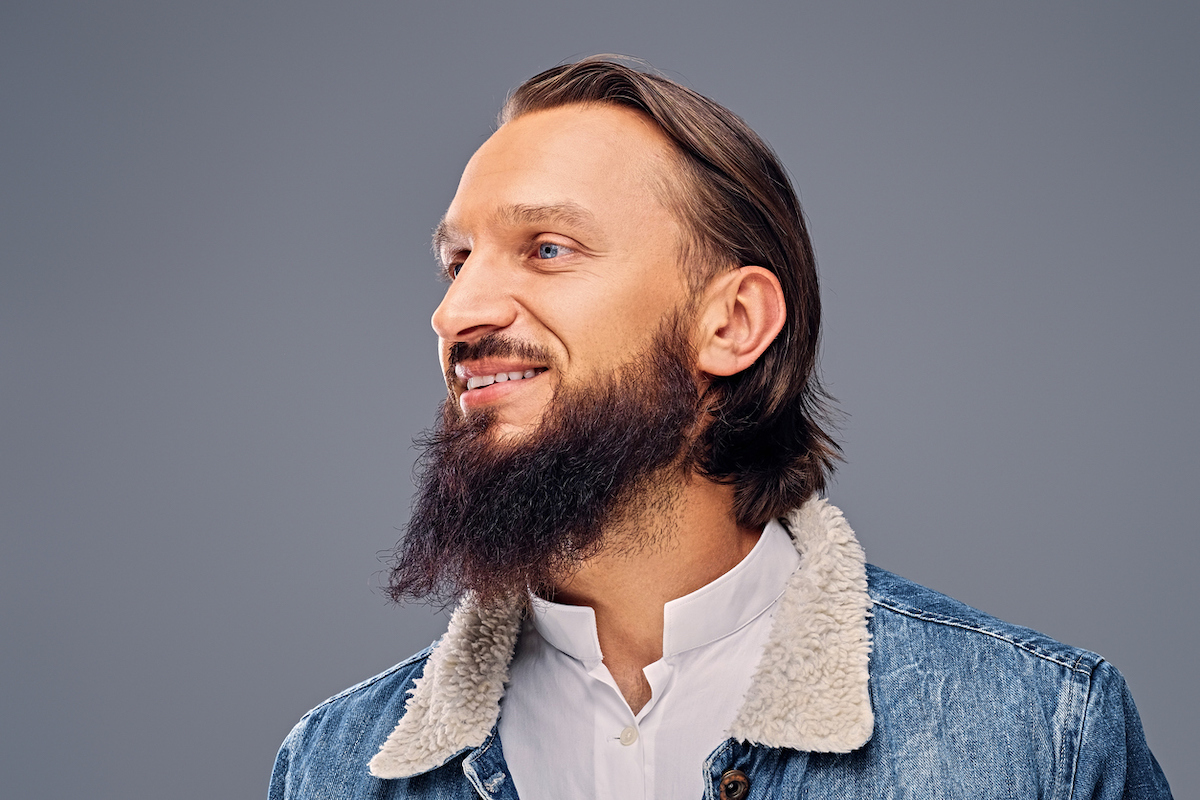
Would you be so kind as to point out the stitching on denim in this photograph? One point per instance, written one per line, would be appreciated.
(387, 673)
(955, 622)
(487, 744)
(710, 792)
(369, 682)
(468, 764)
(1087, 700)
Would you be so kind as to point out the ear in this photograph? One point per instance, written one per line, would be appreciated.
(741, 313)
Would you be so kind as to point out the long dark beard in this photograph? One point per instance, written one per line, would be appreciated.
(498, 518)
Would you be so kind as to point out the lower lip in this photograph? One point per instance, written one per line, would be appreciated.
(473, 398)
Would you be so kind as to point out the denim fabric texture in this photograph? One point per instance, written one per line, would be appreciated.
(965, 706)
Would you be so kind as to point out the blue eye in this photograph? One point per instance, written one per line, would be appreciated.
(547, 250)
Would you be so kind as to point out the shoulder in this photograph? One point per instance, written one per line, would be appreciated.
(904, 610)
(929, 651)
(372, 696)
(1001, 700)
(331, 744)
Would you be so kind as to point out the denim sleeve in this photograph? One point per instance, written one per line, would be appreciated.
(1114, 762)
(280, 773)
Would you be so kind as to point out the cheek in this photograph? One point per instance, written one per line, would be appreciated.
(615, 309)
(612, 331)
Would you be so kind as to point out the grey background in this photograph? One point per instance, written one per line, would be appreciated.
(214, 346)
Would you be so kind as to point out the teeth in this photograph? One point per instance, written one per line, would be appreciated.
(479, 381)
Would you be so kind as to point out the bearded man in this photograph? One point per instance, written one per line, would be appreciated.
(623, 494)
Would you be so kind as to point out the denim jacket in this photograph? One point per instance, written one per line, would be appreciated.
(869, 687)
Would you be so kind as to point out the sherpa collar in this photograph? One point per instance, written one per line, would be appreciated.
(808, 693)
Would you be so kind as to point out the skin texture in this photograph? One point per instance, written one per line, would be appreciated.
(615, 264)
(557, 239)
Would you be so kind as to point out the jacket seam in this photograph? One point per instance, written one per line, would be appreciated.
(369, 682)
(954, 622)
(1083, 717)
(709, 791)
(473, 755)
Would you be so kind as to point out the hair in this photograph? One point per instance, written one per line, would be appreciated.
(499, 518)
(738, 207)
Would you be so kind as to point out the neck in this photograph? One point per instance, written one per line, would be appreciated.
(693, 540)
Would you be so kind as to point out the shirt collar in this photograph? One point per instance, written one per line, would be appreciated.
(810, 691)
(701, 617)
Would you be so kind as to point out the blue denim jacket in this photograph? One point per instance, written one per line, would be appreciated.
(870, 687)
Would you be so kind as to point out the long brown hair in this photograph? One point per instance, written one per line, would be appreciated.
(734, 197)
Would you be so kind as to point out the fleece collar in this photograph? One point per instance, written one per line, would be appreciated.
(809, 691)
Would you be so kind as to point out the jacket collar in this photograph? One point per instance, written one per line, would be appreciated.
(808, 693)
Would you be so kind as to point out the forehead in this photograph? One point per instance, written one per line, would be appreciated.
(599, 164)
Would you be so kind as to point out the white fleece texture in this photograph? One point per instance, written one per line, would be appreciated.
(810, 689)
(455, 703)
(808, 693)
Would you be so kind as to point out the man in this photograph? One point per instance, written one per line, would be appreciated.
(623, 494)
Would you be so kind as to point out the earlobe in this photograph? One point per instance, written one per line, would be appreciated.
(741, 314)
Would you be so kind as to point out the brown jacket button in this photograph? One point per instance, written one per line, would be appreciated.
(734, 785)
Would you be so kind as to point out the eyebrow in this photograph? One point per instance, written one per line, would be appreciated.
(566, 213)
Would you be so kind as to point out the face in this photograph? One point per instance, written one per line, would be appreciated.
(562, 260)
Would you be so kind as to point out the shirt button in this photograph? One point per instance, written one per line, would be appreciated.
(629, 736)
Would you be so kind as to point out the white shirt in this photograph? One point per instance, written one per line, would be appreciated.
(565, 727)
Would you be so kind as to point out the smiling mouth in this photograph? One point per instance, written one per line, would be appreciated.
(479, 381)
(471, 381)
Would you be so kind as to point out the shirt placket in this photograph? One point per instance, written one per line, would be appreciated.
(620, 748)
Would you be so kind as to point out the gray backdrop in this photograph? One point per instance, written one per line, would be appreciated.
(215, 289)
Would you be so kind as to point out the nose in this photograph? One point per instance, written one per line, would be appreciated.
(477, 303)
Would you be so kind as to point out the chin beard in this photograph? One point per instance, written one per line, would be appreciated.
(499, 517)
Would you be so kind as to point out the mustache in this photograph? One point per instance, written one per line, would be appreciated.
(497, 345)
